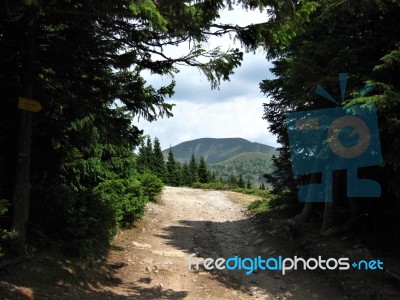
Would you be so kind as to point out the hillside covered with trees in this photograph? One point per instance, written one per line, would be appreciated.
(251, 165)
(215, 150)
(194, 172)
(228, 157)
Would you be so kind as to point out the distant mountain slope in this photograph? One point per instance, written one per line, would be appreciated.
(216, 150)
(252, 166)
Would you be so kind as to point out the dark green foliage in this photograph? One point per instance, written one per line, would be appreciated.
(363, 40)
(257, 192)
(174, 173)
(145, 159)
(186, 176)
(248, 184)
(151, 184)
(92, 192)
(93, 220)
(328, 46)
(150, 159)
(210, 186)
(203, 171)
(127, 198)
(240, 182)
(158, 164)
(386, 72)
(252, 165)
(4, 204)
(212, 176)
(232, 181)
(177, 174)
(193, 169)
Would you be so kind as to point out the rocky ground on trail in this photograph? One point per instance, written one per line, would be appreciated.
(154, 262)
(150, 261)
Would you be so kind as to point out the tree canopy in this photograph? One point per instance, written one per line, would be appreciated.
(361, 39)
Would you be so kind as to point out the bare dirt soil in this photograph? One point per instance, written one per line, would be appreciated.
(150, 261)
(154, 260)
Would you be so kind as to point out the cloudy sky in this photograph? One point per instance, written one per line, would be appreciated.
(235, 110)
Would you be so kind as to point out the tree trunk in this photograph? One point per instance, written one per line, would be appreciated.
(328, 218)
(305, 214)
(356, 215)
(22, 187)
(308, 207)
(295, 223)
(333, 196)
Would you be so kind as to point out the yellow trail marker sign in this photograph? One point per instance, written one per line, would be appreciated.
(29, 104)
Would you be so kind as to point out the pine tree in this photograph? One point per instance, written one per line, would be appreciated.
(144, 161)
(240, 182)
(232, 180)
(141, 160)
(212, 176)
(177, 174)
(158, 166)
(171, 168)
(186, 176)
(367, 57)
(193, 168)
(248, 184)
(148, 150)
(203, 171)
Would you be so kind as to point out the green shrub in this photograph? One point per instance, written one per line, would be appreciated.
(3, 209)
(11, 243)
(210, 186)
(126, 199)
(255, 204)
(198, 185)
(259, 206)
(92, 218)
(89, 223)
(152, 185)
(258, 192)
(4, 204)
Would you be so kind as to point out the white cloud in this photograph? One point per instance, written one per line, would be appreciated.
(240, 117)
(191, 85)
(243, 17)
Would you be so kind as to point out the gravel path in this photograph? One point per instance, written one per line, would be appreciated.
(152, 260)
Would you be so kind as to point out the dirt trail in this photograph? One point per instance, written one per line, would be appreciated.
(152, 260)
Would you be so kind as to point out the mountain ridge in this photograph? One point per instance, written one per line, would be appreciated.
(215, 150)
